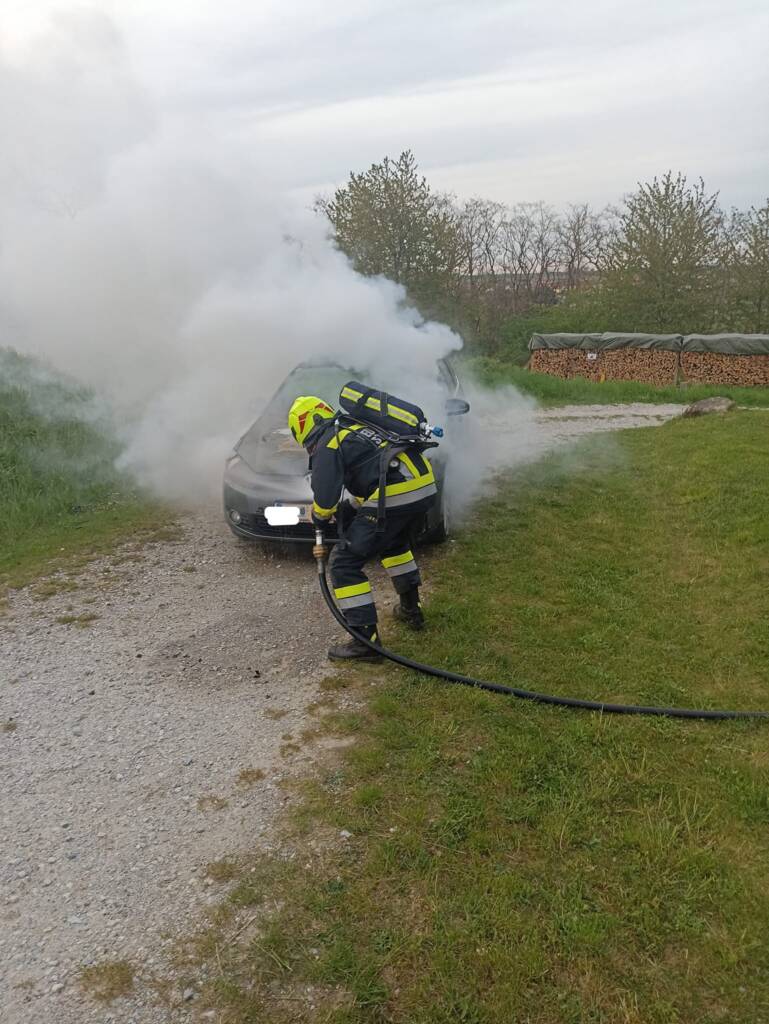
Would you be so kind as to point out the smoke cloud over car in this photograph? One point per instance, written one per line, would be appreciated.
(164, 268)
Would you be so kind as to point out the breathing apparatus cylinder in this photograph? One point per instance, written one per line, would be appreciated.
(387, 413)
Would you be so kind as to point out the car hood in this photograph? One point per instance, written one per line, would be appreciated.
(274, 453)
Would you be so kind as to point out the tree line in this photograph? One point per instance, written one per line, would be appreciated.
(669, 259)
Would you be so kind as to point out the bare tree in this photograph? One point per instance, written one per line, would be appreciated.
(529, 237)
(478, 225)
(545, 248)
(582, 241)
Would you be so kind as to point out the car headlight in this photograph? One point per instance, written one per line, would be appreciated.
(235, 516)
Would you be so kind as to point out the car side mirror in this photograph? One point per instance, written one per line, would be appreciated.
(457, 407)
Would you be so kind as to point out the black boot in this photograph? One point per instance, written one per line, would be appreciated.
(354, 650)
(409, 611)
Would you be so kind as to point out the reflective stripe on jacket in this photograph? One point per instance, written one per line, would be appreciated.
(350, 457)
(417, 482)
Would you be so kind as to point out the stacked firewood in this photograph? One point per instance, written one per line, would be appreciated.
(654, 366)
(657, 366)
(648, 366)
(715, 368)
(558, 362)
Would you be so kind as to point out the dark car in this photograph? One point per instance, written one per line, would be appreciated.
(267, 468)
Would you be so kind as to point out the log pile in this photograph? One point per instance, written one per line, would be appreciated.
(648, 366)
(654, 366)
(558, 362)
(715, 368)
(659, 360)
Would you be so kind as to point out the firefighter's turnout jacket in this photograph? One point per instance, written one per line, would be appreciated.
(349, 456)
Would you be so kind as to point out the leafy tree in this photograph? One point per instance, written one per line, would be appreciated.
(749, 260)
(665, 257)
(389, 222)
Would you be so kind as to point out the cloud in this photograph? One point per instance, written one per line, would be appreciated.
(68, 102)
(518, 101)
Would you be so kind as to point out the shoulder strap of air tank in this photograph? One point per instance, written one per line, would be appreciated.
(392, 451)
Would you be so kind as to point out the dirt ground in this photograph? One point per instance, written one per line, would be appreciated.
(152, 710)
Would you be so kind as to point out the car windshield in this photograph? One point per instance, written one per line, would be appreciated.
(324, 381)
(268, 446)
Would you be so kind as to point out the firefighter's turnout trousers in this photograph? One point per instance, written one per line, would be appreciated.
(361, 543)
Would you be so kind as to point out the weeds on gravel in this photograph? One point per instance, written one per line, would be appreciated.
(108, 980)
(82, 621)
(221, 870)
(484, 860)
(334, 683)
(248, 777)
(52, 587)
(275, 713)
(212, 803)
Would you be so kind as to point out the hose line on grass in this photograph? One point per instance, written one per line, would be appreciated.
(514, 691)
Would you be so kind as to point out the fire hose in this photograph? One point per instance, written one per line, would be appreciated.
(320, 552)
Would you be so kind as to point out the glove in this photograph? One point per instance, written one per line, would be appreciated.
(320, 523)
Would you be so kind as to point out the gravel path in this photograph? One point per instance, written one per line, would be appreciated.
(570, 422)
(126, 736)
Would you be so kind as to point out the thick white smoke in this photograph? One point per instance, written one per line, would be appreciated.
(163, 267)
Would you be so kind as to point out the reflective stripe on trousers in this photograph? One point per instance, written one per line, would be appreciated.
(364, 541)
(400, 565)
(358, 595)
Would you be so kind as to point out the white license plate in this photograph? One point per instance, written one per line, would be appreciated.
(286, 515)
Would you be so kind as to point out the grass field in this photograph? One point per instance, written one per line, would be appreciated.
(60, 491)
(555, 391)
(511, 863)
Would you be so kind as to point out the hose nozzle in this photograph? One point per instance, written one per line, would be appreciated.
(319, 550)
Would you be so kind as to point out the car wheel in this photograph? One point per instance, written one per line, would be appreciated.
(438, 525)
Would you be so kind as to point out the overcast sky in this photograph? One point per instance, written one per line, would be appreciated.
(514, 101)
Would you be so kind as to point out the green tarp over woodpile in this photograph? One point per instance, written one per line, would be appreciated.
(728, 344)
(723, 344)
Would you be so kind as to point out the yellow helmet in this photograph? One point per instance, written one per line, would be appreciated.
(305, 414)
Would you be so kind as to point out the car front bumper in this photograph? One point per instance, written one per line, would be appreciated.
(254, 526)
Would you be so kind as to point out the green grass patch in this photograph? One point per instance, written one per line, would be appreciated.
(551, 391)
(61, 492)
(488, 860)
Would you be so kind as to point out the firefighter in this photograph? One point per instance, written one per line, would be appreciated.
(348, 455)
